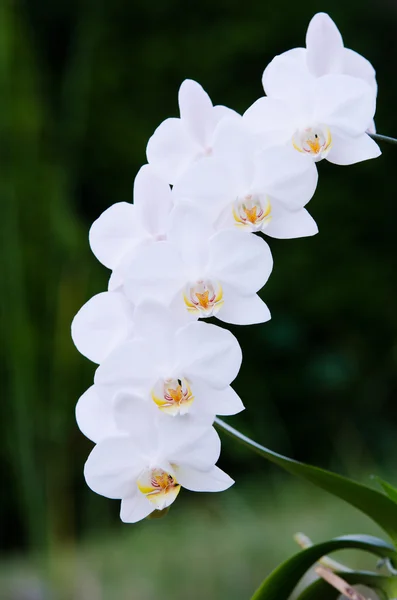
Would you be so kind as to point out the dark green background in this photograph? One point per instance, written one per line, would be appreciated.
(82, 87)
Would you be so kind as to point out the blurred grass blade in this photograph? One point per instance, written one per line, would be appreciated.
(380, 508)
(19, 385)
(283, 580)
(385, 587)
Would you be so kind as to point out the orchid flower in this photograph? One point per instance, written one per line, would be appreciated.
(324, 54)
(177, 369)
(178, 255)
(323, 117)
(124, 227)
(252, 189)
(148, 462)
(201, 272)
(178, 142)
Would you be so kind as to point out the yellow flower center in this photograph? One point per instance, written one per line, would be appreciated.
(203, 298)
(173, 396)
(159, 487)
(316, 141)
(252, 212)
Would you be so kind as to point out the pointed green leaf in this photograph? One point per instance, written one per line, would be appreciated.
(390, 490)
(380, 508)
(385, 587)
(283, 580)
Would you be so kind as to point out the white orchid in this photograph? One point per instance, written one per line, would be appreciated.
(203, 273)
(124, 227)
(104, 322)
(148, 462)
(178, 255)
(178, 142)
(151, 459)
(180, 370)
(325, 54)
(250, 188)
(323, 117)
(95, 415)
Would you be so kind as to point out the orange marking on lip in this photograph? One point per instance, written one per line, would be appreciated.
(314, 145)
(176, 394)
(251, 214)
(203, 299)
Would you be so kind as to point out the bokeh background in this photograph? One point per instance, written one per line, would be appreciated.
(83, 84)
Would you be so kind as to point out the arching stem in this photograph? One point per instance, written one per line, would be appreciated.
(383, 138)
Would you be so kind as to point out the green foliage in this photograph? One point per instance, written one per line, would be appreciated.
(379, 507)
(390, 490)
(282, 582)
(385, 587)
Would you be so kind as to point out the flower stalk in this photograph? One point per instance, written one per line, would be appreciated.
(383, 138)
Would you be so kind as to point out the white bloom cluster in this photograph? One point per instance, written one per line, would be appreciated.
(187, 249)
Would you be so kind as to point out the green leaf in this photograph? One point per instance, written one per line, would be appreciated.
(283, 580)
(380, 508)
(385, 587)
(390, 490)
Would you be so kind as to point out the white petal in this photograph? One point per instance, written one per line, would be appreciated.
(116, 279)
(152, 197)
(209, 353)
(94, 416)
(287, 175)
(236, 145)
(131, 363)
(208, 183)
(189, 231)
(171, 149)
(134, 508)
(186, 448)
(114, 233)
(104, 322)
(347, 151)
(214, 480)
(296, 56)
(196, 110)
(243, 261)
(291, 224)
(272, 118)
(155, 271)
(343, 102)
(178, 310)
(288, 81)
(217, 402)
(371, 127)
(220, 112)
(358, 66)
(113, 467)
(138, 416)
(324, 46)
(154, 320)
(242, 310)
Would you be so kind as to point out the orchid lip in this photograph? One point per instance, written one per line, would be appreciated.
(203, 298)
(173, 396)
(316, 141)
(159, 487)
(252, 212)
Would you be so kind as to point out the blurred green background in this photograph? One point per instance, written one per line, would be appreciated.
(83, 84)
